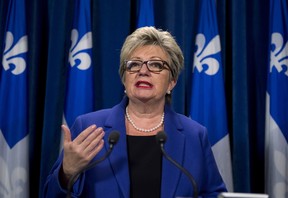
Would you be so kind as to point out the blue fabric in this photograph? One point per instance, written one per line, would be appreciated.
(80, 74)
(208, 103)
(55, 81)
(276, 170)
(14, 132)
(244, 35)
(146, 13)
(14, 71)
(278, 70)
(240, 99)
(187, 143)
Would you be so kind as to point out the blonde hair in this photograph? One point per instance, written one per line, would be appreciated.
(152, 36)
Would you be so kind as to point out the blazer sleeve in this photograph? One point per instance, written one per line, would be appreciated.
(52, 186)
(213, 183)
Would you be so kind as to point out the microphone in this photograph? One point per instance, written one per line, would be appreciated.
(112, 139)
(161, 138)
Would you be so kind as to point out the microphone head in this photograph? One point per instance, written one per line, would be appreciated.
(113, 137)
(161, 137)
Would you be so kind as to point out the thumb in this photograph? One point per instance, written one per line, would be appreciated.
(67, 134)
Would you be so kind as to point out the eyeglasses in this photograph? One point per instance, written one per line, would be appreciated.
(152, 65)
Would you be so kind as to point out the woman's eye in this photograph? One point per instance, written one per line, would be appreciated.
(134, 64)
(156, 65)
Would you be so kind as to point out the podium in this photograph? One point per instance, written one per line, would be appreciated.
(241, 195)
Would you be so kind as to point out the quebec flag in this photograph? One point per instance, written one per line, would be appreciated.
(276, 136)
(14, 140)
(208, 105)
(146, 13)
(79, 87)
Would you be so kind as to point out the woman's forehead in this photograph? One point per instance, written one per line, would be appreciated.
(149, 51)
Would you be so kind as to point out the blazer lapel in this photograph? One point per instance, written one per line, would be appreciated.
(174, 147)
(119, 158)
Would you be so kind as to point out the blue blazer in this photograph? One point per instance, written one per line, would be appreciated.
(187, 143)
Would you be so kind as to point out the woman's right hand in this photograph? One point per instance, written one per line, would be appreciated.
(79, 152)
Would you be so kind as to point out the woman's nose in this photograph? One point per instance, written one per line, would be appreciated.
(144, 68)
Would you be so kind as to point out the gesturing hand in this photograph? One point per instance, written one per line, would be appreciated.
(79, 152)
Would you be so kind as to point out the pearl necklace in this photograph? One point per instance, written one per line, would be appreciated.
(144, 130)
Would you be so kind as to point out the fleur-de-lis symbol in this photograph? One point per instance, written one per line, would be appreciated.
(76, 51)
(279, 53)
(203, 55)
(11, 54)
(11, 186)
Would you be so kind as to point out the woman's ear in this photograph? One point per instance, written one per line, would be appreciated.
(171, 86)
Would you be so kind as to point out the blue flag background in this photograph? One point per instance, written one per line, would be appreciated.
(244, 35)
(79, 89)
(208, 104)
(79, 96)
(146, 13)
(277, 103)
(14, 145)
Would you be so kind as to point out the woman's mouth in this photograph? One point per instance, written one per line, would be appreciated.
(143, 84)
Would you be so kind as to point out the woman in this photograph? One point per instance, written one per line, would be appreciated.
(150, 63)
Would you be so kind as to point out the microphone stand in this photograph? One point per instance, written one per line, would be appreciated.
(161, 138)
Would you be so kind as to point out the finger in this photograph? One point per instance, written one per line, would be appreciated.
(84, 134)
(96, 150)
(92, 136)
(66, 132)
(93, 140)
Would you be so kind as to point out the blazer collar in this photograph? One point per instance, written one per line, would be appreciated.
(174, 147)
(119, 158)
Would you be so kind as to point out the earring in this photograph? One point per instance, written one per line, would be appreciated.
(168, 92)
(125, 91)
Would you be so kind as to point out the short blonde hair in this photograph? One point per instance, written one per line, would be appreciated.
(152, 36)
